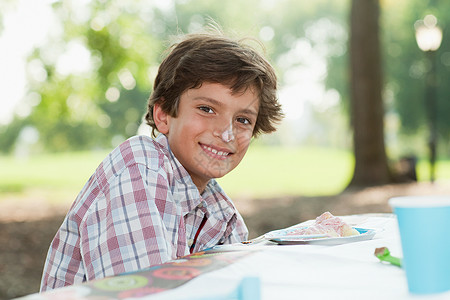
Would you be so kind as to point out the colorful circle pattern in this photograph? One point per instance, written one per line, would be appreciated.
(122, 283)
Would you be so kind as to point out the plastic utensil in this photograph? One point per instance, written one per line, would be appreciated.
(383, 254)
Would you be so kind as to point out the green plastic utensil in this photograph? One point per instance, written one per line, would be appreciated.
(383, 254)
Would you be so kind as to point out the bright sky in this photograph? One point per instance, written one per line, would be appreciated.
(25, 24)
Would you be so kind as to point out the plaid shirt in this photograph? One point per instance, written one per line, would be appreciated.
(140, 208)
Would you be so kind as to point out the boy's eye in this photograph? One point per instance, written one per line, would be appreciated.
(243, 121)
(206, 109)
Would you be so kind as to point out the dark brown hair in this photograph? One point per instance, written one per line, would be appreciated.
(215, 58)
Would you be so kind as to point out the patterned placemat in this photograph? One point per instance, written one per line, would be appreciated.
(149, 281)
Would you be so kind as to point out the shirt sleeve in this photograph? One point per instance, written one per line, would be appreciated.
(124, 231)
(118, 224)
(63, 264)
(236, 232)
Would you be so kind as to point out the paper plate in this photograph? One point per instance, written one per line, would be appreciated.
(285, 237)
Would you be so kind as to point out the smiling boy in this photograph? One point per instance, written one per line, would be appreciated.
(153, 200)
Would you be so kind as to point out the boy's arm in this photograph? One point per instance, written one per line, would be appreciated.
(126, 232)
(63, 265)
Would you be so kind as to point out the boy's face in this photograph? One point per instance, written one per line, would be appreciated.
(212, 131)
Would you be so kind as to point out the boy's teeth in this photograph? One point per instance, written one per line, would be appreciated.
(214, 151)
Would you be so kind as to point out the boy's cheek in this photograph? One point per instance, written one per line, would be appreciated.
(244, 138)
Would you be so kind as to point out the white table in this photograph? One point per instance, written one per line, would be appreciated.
(345, 271)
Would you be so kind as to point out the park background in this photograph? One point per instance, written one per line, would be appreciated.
(75, 77)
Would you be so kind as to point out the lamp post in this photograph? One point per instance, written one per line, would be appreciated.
(429, 37)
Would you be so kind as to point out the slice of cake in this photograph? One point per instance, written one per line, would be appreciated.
(329, 221)
(330, 225)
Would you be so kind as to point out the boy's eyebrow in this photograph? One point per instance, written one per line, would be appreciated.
(218, 103)
(249, 111)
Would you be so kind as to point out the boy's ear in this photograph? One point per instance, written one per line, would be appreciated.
(161, 119)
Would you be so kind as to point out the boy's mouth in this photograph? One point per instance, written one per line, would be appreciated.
(215, 152)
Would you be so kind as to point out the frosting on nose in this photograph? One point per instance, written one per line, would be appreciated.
(227, 135)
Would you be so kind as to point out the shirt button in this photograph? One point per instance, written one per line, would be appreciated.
(190, 242)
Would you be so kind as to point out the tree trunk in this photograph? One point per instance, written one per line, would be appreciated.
(367, 112)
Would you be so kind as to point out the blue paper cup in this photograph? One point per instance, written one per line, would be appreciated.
(424, 225)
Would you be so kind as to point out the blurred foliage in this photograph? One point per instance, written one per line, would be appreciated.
(75, 111)
(98, 105)
(124, 41)
(405, 68)
(9, 135)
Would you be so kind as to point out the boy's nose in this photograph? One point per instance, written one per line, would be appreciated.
(225, 133)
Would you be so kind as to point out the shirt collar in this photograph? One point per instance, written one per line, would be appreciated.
(217, 202)
(179, 171)
(187, 192)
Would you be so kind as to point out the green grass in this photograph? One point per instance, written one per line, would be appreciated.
(264, 172)
(272, 171)
(48, 171)
(442, 170)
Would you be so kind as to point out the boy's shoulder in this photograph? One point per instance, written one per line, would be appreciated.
(141, 146)
(141, 149)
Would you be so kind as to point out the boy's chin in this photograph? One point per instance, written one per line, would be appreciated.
(216, 175)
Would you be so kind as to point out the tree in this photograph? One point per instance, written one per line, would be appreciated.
(367, 112)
